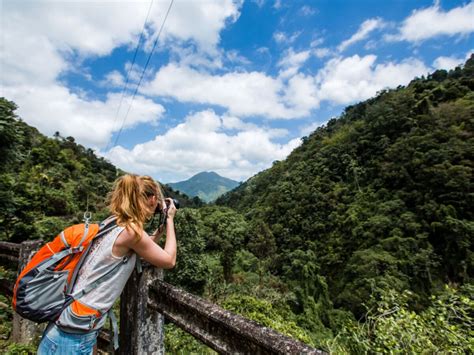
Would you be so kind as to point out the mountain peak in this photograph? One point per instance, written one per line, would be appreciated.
(207, 174)
(207, 185)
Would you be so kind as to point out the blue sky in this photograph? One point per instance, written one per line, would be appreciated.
(232, 85)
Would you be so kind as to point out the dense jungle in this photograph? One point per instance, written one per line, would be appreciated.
(359, 242)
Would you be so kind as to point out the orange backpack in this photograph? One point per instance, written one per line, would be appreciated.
(44, 287)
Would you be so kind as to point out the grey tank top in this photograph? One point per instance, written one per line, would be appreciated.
(98, 262)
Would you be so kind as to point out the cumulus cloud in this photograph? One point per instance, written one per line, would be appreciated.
(302, 93)
(242, 93)
(447, 62)
(292, 62)
(351, 79)
(290, 95)
(200, 21)
(451, 62)
(362, 33)
(433, 22)
(203, 142)
(54, 108)
(114, 79)
(56, 30)
(43, 40)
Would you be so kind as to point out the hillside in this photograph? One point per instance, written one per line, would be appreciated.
(206, 185)
(358, 242)
(377, 199)
(48, 183)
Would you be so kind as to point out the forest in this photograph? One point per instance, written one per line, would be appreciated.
(359, 242)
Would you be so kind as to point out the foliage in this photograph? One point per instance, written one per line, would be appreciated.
(264, 313)
(21, 349)
(371, 212)
(48, 183)
(225, 231)
(190, 271)
(393, 327)
(376, 199)
(179, 342)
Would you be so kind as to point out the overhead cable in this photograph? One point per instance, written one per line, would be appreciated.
(143, 73)
(130, 69)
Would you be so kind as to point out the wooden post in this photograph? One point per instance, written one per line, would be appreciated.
(23, 330)
(141, 331)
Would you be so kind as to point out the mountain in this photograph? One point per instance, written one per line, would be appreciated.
(377, 199)
(206, 185)
(47, 183)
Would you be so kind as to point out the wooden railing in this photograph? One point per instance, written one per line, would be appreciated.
(145, 304)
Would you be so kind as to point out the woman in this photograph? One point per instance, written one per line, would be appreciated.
(111, 259)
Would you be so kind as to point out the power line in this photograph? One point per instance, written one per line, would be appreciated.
(130, 69)
(143, 72)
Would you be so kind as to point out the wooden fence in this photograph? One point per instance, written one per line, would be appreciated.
(145, 304)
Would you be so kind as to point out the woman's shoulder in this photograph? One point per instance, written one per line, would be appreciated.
(128, 235)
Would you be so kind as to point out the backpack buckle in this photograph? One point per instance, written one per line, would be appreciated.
(92, 322)
(87, 217)
(77, 249)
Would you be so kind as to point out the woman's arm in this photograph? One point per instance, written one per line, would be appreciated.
(150, 251)
(158, 233)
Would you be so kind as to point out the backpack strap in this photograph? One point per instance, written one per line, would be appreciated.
(93, 285)
(86, 230)
(58, 256)
(96, 283)
(138, 265)
(104, 227)
(114, 326)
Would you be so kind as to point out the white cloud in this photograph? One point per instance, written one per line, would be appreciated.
(364, 30)
(42, 40)
(292, 62)
(234, 57)
(199, 144)
(290, 95)
(447, 62)
(91, 122)
(16, 62)
(351, 79)
(242, 93)
(316, 42)
(286, 38)
(308, 10)
(433, 21)
(292, 58)
(322, 52)
(200, 21)
(114, 79)
(191, 57)
(302, 93)
(56, 30)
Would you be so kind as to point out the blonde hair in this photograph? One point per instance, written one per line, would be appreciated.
(128, 200)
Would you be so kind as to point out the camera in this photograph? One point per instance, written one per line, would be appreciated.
(159, 210)
(175, 201)
(163, 213)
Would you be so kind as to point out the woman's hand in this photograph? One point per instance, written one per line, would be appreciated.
(171, 208)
